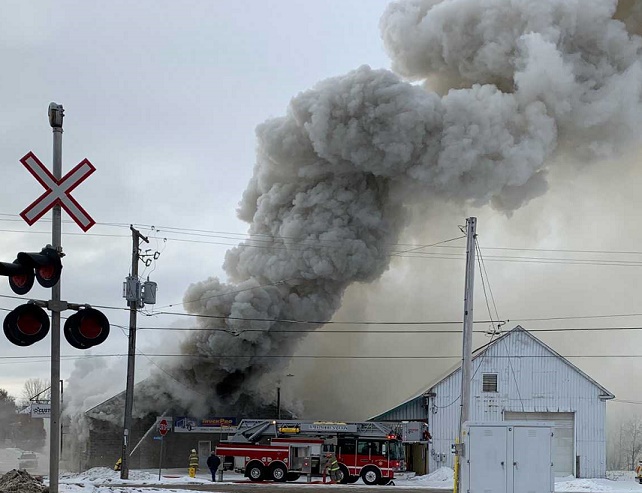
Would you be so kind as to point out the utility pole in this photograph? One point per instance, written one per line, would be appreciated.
(466, 367)
(278, 401)
(467, 349)
(131, 359)
(56, 114)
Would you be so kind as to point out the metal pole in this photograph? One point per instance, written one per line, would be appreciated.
(131, 358)
(160, 460)
(56, 233)
(466, 367)
(62, 393)
(278, 402)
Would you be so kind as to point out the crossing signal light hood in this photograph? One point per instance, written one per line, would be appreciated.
(26, 325)
(86, 328)
(44, 266)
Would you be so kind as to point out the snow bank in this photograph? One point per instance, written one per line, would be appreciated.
(20, 481)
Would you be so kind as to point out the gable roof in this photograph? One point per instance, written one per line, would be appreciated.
(480, 351)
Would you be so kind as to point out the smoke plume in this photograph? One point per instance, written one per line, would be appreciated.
(482, 96)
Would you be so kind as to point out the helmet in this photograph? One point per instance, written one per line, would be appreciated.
(194, 450)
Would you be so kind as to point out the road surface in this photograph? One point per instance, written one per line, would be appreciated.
(270, 487)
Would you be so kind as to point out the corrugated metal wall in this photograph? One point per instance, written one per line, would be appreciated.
(530, 379)
(413, 410)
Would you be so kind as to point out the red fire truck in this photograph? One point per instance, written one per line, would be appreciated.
(285, 450)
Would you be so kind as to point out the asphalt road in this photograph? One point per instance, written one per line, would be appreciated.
(269, 487)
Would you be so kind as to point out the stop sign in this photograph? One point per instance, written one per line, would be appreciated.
(163, 427)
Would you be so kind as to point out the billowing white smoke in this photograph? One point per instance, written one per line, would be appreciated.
(82, 394)
(325, 204)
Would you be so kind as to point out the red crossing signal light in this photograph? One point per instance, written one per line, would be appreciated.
(86, 328)
(26, 325)
(44, 266)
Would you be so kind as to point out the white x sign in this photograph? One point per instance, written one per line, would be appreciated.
(58, 192)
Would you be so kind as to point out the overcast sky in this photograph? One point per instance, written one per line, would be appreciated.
(163, 98)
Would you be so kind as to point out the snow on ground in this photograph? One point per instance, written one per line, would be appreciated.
(100, 479)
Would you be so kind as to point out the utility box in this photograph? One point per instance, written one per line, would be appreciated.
(413, 431)
(507, 457)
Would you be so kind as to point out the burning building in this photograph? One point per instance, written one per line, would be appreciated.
(483, 97)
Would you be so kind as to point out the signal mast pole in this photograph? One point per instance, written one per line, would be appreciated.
(131, 355)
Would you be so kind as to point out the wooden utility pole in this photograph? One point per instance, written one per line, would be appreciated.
(131, 355)
(467, 350)
(466, 367)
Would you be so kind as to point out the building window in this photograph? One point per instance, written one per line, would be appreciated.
(489, 382)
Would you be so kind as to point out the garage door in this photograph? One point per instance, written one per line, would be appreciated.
(563, 441)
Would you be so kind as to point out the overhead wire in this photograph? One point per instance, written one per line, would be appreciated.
(46, 357)
(485, 280)
(266, 241)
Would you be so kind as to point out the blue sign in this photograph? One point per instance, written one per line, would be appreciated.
(158, 438)
(186, 424)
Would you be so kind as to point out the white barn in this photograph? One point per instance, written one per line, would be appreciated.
(515, 377)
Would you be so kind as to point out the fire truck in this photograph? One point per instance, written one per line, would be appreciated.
(284, 450)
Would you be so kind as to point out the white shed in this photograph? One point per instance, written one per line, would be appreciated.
(518, 377)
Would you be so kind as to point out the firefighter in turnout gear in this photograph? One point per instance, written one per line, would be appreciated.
(638, 472)
(118, 465)
(331, 467)
(193, 463)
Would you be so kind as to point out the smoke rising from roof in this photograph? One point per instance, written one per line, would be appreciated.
(326, 203)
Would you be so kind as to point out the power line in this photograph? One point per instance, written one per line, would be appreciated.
(390, 331)
(324, 357)
(228, 293)
(267, 242)
(241, 236)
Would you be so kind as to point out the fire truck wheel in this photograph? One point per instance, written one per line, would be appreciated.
(344, 475)
(371, 475)
(292, 476)
(255, 471)
(278, 472)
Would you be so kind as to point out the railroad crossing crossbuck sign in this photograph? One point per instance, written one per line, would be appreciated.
(57, 192)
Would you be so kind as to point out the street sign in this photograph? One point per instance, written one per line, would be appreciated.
(163, 427)
(39, 410)
(158, 438)
(57, 192)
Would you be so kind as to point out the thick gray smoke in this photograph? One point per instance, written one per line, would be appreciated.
(516, 82)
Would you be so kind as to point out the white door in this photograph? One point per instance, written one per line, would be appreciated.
(204, 449)
(487, 459)
(563, 439)
(532, 460)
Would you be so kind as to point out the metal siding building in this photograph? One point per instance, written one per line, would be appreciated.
(525, 380)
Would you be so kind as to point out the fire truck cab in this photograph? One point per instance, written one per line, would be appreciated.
(285, 450)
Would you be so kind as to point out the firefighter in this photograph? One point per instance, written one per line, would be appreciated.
(193, 463)
(331, 467)
(638, 472)
(118, 464)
